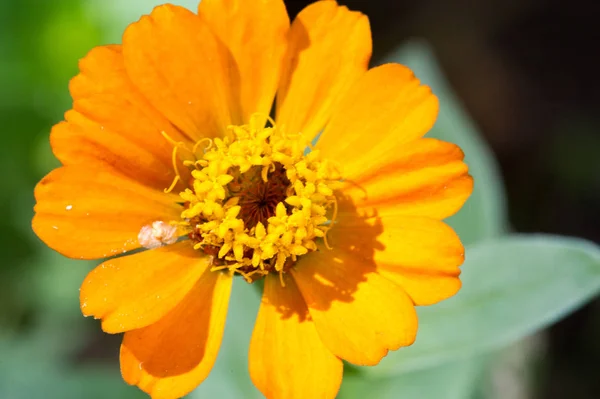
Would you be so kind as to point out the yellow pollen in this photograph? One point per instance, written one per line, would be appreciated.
(256, 201)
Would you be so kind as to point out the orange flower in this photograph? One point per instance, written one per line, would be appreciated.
(169, 147)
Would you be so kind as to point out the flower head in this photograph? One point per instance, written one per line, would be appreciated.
(169, 150)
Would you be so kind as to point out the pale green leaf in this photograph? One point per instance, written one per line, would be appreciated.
(512, 287)
(456, 380)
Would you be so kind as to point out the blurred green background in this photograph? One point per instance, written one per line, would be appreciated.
(519, 92)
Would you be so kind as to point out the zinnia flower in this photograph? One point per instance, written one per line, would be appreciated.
(170, 157)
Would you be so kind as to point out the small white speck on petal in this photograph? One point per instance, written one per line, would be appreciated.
(157, 234)
(69, 207)
(55, 227)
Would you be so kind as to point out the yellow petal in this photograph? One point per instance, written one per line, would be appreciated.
(255, 31)
(329, 49)
(421, 255)
(287, 358)
(90, 213)
(137, 290)
(170, 358)
(426, 177)
(358, 314)
(385, 109)
(185, 72)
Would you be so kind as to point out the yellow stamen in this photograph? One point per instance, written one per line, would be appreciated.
(281, 278)
(225, 214)
(210, 144)
(176, 145)
(172, 186)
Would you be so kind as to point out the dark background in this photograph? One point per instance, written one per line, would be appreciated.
(528, 72)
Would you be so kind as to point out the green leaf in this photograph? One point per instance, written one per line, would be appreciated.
(512, 287)
(484, 214)
(230, 378)
(456, 380)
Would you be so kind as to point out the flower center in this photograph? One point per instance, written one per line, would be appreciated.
(257, 201)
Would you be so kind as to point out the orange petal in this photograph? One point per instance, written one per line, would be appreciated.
(170, 358)
(89, 213)
(329, 50)
(85, 141)
(255, 31)
(425, 177)
(137, 290)
(101, 71)
(179, 65)
(384, 109)
(113, 124)
(421, 255)
(358, 314)
(287, 358)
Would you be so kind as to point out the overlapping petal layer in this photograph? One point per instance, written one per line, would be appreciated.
(359, 314)
(426, 178)
(184, 70)
(255, 31)
(329, 50)
(112, 124)
(421, 255)
(169, 358)
(137, 290)
(287, 357)
(90, 213)
(385, 109)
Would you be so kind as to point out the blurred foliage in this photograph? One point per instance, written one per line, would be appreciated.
(513, 285)
(37, 60)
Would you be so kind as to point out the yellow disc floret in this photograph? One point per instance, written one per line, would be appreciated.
(259, 199)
